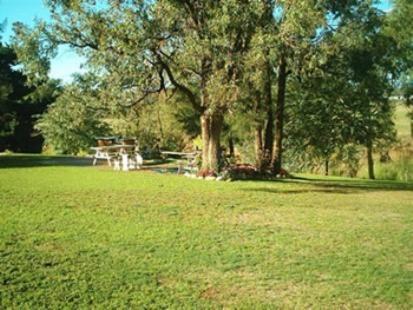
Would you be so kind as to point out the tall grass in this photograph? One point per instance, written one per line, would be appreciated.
(400, 169)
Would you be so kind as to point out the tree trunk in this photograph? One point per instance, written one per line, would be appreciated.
(269, 128)
(216, 122)
(231, 147)
(160, 125)
(264, 135)
(258, 148)
(326, 166)
(276, 162)
(211, 127)
(370, 161)
(205, 134)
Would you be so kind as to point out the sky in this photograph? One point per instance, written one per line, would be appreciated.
(67, 62)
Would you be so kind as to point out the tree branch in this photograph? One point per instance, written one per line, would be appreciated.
(182, 88)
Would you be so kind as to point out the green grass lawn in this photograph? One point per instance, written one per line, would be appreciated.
(82, 236)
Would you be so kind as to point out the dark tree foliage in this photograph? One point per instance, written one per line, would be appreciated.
(20, 105)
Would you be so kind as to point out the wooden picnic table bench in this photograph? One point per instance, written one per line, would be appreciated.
(112, 152)
(189, 156)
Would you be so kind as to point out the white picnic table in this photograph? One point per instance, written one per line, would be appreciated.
(189, 156)
(119, 153)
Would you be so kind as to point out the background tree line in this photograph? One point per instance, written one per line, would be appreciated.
(292, 82)
(21, 104)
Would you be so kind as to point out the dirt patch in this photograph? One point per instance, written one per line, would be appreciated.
(409, 267)
(210, 293)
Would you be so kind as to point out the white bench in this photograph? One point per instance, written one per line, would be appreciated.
(190, 160)
(115, 153)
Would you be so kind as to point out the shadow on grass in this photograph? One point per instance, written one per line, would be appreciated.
(338, 186)
(34, 160)
(170, 170)
(158, 162)
(303, 191)
(321, 185)
(27, 161)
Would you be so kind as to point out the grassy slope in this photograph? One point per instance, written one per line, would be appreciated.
(91, 236)
(402, 121)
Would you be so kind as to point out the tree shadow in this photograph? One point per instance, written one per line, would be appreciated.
(34, 160)
(30, 161)
(342, 186)
(303, 191)
(162, 170)
(157, 162)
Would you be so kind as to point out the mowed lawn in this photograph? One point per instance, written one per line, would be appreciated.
(81, 236)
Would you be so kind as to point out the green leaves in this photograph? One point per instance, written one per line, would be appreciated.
(72, 122)
(34, 50)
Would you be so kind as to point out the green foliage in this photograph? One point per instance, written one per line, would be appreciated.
(346, 162)
(341, 101)
(20, 105)
(11, 90)
(72, 122)
(161, 123)
(34, 50)
(221, 59)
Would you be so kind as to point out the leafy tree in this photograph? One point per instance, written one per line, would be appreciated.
(20, 105)
(137, 48)
(294, 39)
(235, 57)
(281, 47)
(72, 123)
(399, 26)
(299, 26)
(341, 98)
(371, 66)
(8, 93)
(78, 116)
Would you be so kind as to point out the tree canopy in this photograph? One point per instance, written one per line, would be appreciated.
(294, 68)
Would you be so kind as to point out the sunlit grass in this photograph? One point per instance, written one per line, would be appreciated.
(89, 236)
(402, 121)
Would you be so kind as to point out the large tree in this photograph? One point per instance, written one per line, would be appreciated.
(219, 55)
(400, 28)
(282, 46)
(345, 100)
(20, 105)
(136, 48)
